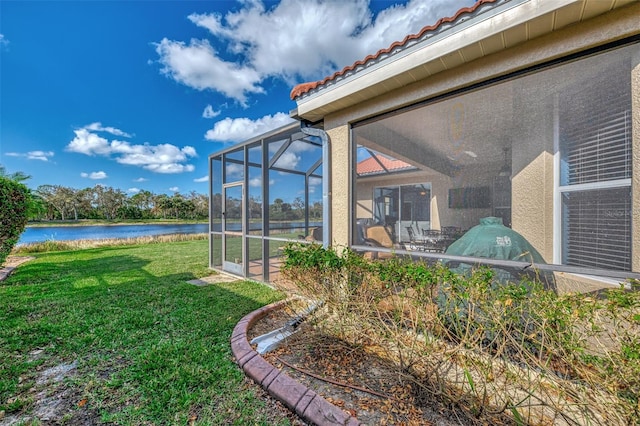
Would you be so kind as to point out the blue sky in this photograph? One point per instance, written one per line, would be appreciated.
(137, 94)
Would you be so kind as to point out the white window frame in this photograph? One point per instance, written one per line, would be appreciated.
(559, 190)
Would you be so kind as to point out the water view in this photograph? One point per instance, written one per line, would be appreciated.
(98, 232)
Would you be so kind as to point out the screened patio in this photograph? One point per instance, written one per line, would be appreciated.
(547, 153)
(264, 193)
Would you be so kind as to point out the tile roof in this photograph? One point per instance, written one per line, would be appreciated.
(303, 88)
(370, 166)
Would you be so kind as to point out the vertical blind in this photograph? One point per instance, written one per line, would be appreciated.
(595, 131)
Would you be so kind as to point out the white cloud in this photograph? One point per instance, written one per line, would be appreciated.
(197, 65)
(89, 143)
(170, 168)
(209, 112)
(94, 175)
(133, 190)
(288, 160)
(314, 181)
(163, 158)
(39, 155)
(240, 129)
(33, 155)
(174, 189)
(140, 179)
(98, 127)
(234, 169)
(291, 41)
(257, 182)
(202, 179)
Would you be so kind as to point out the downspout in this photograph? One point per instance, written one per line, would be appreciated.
(326, 188)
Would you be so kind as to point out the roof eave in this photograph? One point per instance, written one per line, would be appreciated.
(395, 71)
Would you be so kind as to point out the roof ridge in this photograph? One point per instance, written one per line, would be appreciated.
(303, 88)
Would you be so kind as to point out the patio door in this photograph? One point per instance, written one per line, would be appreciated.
(233, 259)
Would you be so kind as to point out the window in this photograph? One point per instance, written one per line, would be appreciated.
(402, 207)
(595, 172)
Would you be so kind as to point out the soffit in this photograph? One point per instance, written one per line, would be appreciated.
(506, 25)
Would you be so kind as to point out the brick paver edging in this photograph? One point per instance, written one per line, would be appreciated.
(306, 403)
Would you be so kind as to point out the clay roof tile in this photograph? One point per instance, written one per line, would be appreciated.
(303, 88)
(371, 166)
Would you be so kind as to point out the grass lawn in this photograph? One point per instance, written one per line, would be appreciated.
(146, 347)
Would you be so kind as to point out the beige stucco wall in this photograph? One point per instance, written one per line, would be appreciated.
(532, 177)
(340, 183)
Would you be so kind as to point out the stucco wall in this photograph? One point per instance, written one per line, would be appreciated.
(340, 184)
(532, 177)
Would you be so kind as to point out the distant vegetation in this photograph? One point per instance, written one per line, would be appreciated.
(52, 245)
(107, 203)
(58, 202)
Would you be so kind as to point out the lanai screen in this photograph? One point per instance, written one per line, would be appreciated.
(548, 152)
(264, 192)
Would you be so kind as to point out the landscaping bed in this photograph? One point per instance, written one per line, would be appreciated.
(354, 378)
(496, 352)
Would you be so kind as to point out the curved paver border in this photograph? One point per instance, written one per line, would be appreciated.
(306, 403)
(12, 262)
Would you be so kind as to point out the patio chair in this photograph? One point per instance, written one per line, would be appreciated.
(379, 236)
(415, 242)
(315, 234)
(452, 231)
(434, 240)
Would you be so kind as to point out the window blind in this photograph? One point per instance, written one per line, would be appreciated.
(597, 228)
(595, 131)
(596, 137)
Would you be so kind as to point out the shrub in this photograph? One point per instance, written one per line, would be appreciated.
(14, 206)
(489, 346)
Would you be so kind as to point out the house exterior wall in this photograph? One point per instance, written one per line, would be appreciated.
(340, 185)
(533, 179)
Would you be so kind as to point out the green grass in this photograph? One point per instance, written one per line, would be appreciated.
(150, 348)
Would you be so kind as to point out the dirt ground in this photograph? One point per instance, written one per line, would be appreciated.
(54, 403)
(354, 379)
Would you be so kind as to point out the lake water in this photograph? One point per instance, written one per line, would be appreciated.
(99, 232)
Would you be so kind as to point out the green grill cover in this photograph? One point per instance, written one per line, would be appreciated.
(491, 239)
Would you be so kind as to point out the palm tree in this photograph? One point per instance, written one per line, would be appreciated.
(16, 176)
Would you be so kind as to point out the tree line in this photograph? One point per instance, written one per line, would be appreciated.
(57, 202)
(101, 202)
(279, 210)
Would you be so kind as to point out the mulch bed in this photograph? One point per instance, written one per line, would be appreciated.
(354, 378)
